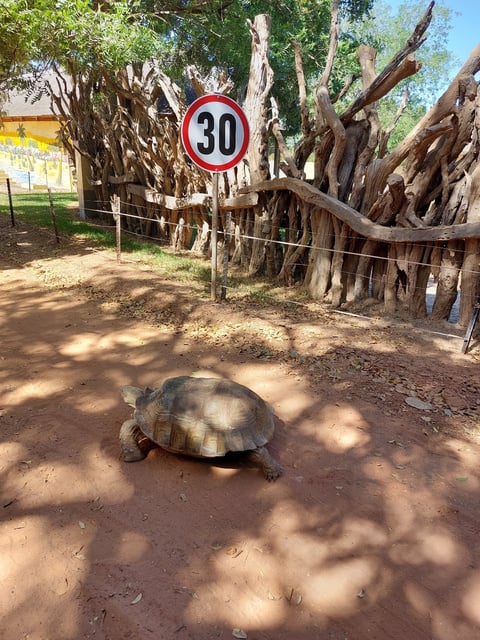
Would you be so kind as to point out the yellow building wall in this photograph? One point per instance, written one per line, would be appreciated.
(31, 156)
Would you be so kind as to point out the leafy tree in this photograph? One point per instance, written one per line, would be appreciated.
(93, 36)
(387, 31)
(222, 39)
(98, 37)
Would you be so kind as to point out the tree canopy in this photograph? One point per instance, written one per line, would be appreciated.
(94, 37)
(100, 36)
(387, 30)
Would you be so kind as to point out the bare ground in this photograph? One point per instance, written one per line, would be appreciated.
(371, 533)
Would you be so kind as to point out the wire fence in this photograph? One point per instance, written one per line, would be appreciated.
(285, 230)
(120, 214)
(282, 243)
(430, 291)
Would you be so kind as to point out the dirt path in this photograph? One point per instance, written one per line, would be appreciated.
(371, 533)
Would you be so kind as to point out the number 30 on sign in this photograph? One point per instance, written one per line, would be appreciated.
(215, 132)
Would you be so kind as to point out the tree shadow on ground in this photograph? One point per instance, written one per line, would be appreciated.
(372, 532)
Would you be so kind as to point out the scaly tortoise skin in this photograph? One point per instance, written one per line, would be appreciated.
(202, 417)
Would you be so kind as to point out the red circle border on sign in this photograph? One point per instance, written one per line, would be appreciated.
(192, 109)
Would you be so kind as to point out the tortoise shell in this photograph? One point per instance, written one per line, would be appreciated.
(202, 416)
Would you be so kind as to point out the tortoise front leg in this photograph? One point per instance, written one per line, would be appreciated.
(134, 443)
(260, 457)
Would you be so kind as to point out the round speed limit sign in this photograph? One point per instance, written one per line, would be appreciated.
(215, 132)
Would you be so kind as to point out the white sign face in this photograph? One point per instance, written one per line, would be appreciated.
(215, 132)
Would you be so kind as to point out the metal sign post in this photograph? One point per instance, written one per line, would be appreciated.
(215, 135)
(213, 287)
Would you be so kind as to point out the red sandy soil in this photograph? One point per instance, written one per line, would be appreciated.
(371, 533)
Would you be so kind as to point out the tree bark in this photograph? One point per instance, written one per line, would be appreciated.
(362, 225)
(471, 263)
(255, 106)
(447, 281)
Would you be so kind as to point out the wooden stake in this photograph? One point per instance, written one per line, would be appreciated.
(54, 217)
(226, 247)
(12, 216)
(115, 201)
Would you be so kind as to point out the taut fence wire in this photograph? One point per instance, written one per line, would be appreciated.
(125, 217)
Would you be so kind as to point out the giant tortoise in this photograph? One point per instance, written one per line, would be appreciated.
(203, 417)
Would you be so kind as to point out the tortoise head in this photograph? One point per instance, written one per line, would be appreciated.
(131, 394)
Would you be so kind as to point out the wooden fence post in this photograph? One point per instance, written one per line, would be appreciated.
(115, 201)
(54, 217)
(226, 251)
(9, 190)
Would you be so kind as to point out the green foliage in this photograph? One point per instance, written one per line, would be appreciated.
(16, 49)
(89, 37)
(34, 208)
(388, 31)
(92, 37)
(73, 34)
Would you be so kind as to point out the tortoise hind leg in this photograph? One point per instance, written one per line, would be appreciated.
(260, 457)
(134, 443)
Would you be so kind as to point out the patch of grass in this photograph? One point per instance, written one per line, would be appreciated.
(260, 295)
(34, 209)
(181, 268)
